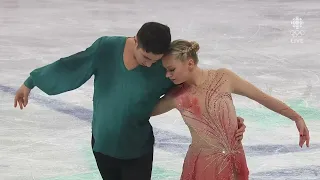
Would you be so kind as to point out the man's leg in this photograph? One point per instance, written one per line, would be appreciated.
(138, 169)
(109, 167)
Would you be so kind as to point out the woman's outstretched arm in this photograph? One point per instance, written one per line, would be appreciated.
(242, 87)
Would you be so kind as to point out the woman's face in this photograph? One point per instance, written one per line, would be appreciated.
(178, 71)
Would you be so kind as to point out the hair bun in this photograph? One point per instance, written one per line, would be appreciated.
(194, 46)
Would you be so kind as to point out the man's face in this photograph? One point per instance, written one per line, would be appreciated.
(144, 58)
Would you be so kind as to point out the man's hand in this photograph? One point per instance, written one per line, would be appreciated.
(241, 129)
(22, 96)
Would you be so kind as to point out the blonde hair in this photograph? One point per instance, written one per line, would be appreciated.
(183, 50)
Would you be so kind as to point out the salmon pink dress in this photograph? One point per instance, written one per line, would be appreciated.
(209, 113)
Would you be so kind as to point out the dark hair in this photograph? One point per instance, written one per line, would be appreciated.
(154, 37)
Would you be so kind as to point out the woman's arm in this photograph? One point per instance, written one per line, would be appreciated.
(242, 87)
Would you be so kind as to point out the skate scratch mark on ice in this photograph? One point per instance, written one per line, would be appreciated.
(308, 172)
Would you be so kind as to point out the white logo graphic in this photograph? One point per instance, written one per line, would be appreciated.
(297, 33)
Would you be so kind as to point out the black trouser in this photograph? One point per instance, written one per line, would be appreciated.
(119, 169)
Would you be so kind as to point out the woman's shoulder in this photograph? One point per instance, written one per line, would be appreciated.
(223, 73)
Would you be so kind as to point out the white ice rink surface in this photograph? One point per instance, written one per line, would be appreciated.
(50, 139)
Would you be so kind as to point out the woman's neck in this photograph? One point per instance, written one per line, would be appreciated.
(198, 77)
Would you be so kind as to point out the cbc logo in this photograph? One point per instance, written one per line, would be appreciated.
(297, 23)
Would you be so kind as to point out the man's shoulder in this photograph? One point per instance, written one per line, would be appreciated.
(110, 43)
(176, 91)
(111, 39)
(157, 75)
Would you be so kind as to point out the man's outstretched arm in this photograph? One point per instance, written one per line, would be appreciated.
(66, 74)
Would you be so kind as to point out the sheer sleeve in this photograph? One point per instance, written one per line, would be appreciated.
(242, 87)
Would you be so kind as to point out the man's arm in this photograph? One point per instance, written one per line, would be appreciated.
(67, 73)
(63, 75)
(165, 104)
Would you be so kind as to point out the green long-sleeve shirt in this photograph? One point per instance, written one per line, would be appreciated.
(123, 100)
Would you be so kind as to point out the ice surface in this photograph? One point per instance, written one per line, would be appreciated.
(50, 139)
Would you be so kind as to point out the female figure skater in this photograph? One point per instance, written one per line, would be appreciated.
(204, 100)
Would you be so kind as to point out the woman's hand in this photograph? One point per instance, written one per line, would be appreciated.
(304, 132)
